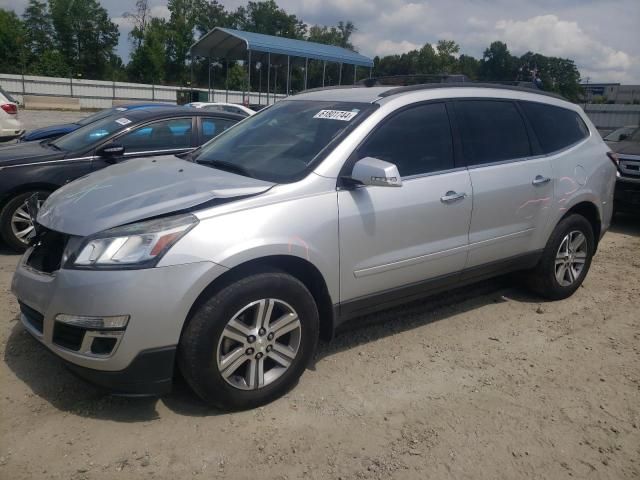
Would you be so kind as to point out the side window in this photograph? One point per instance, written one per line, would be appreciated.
(212, 127)
(417, 140)
(555, 127)
(163, 135)
(492, 131)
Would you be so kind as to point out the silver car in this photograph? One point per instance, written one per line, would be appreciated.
(230, 264)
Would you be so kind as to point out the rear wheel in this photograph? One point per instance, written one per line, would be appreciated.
(250, 342)
(566, 259)
(16, 225)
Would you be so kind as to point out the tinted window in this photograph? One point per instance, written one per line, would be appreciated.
(417, 140)
(212, 127)
(555, 127)
(164, 135)
(492, 131)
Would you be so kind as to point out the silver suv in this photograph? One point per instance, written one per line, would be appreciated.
(230, 264)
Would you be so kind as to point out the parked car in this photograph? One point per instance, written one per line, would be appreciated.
(625, 143)
(41, 167)
(55, 131)
(10, 125)
(323, 207)
(225, 107)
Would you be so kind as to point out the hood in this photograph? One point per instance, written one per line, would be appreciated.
(28, 152)
(49, 132)
(626, 146)
(138, 189)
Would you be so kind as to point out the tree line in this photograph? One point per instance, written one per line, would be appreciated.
(78, 38)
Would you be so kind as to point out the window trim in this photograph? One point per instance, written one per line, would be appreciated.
(567, 147)
(532, 155)
(348, 165)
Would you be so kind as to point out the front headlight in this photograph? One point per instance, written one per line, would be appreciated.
(137, 245)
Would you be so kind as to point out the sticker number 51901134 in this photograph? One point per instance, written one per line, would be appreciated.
(335, 115)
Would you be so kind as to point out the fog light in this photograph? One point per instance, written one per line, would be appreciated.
(94, 323)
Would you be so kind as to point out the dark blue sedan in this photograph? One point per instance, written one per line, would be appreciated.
(54, 131)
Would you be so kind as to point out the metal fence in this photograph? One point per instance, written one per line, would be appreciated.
(101, 94)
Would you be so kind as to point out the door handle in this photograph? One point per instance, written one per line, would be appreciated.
(452, 196)
(540, 180)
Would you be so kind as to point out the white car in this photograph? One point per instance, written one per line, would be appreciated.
(10, 126)
(225, 107)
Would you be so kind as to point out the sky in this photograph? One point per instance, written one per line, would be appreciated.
(601, 36)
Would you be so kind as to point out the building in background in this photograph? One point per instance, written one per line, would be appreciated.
(611, 93)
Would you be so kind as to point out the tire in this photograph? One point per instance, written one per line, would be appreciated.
(208, 341)
(7, 230)
(549, 279)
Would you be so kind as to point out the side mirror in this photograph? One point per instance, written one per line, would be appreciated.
(110, 152)
(623, 137)
(375, 172)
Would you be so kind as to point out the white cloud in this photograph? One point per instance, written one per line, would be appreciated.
(549, 35)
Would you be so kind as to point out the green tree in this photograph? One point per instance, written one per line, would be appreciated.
(12, 39)
(340, 35)
(497, 63)
(558, 75)
(149, 59)
(38, 28)
(268, 18)
(85, 36)
(210, 14)
(447, 56)
(181, 25)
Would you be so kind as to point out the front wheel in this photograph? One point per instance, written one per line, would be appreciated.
(250, 342)
(16, 225)
(566, 259)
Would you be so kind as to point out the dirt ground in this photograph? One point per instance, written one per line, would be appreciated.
(485, 383)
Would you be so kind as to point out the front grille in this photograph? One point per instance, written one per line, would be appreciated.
(33, 317)
(68, 336)
(629, 167)
(48, 250)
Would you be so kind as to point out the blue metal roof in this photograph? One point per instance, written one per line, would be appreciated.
(234, 45)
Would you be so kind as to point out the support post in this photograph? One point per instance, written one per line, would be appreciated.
(355, 74)
(288, 74)
(370, 71)
(209, 91)
(248, 101)
(113, 89)
(268, 75)
(227, 83)
(306, 72)
(340, 75)
(324, 69)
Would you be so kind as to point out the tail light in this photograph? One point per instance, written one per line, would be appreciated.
(614, 158)
(10, 108)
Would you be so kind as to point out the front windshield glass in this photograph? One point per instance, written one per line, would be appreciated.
(616, 135)
(99, 115)
(281, 142)
(86, 136)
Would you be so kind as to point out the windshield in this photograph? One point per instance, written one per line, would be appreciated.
(100, 115)
(281, 142)
(624, 133)
(90, 134)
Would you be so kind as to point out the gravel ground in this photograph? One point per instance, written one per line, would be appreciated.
(485, 383)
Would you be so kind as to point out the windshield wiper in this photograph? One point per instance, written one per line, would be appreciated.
(228, 166)
(53, 145)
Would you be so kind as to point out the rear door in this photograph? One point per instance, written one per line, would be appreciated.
(210, 127)
(512, 187)
(399, 237)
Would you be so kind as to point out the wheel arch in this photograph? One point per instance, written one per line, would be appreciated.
(297, 267)
(19, 190)
(588, 210)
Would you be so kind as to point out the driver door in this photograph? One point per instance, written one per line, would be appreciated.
(392, 238)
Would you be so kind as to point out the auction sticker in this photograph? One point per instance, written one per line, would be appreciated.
(123, 121)
(121, 109)
(335, 115)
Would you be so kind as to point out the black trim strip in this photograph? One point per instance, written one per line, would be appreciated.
(393, 297)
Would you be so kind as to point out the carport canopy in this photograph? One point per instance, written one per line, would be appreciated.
(238, 45)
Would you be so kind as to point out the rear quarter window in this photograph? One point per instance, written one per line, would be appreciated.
(555, 127)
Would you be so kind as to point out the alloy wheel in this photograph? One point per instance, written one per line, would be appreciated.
(571, 258)
(21, 222)
(259, 344)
